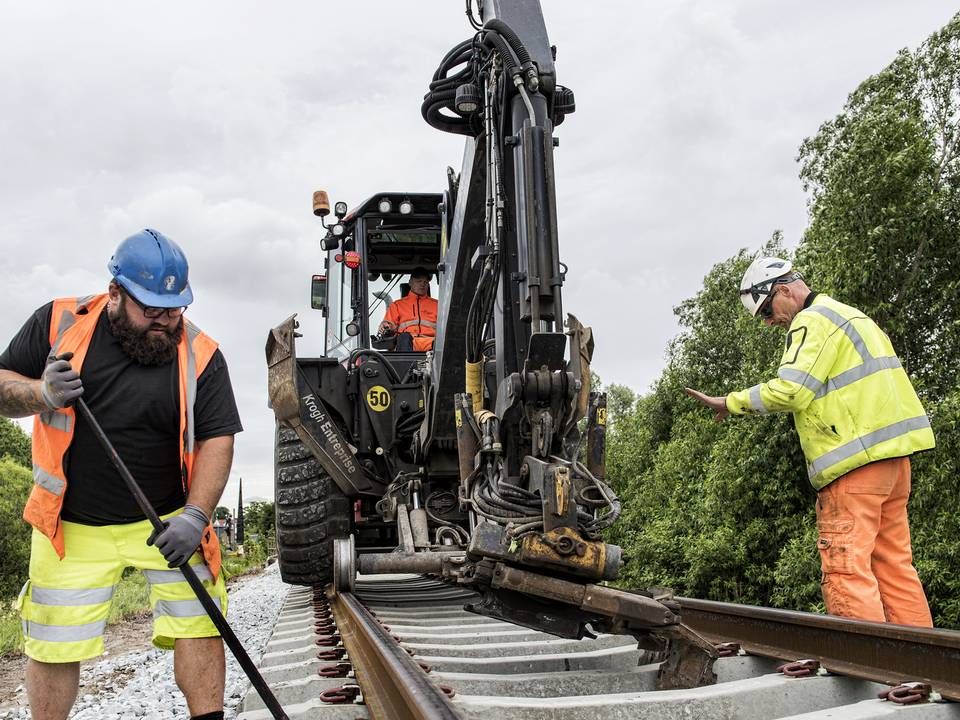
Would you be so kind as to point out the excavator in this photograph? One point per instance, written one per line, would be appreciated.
(478, 460)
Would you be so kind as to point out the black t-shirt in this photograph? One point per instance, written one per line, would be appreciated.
(138, 408)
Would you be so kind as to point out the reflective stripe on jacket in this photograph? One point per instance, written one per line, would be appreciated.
(851, 399)
(72, 325)
(416, 315)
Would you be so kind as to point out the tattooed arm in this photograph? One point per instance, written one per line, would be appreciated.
(20, 396)
(22, 365)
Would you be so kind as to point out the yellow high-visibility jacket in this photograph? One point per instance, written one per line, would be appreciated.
(851, 399)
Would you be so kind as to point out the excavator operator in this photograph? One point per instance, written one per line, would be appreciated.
(413, 318)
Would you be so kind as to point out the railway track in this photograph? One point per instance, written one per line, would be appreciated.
(403, 647)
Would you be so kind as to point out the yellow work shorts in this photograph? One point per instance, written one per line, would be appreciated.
(65, 603)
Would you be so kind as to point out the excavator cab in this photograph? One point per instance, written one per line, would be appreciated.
(370, 254)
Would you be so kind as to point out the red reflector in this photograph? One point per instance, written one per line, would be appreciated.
(338, 257)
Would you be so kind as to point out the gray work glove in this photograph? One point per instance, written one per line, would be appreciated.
(180, 536)
(60, 382)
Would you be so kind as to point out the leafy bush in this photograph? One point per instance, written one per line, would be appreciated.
(15, 484)
(14, 442)
(254, 556)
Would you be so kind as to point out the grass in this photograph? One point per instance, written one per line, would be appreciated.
(9, 631)
(131, 597)
(253, 558)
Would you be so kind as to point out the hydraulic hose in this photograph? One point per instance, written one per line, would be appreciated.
(433, 103)
(524, 63)
(500, 27)
(441, 94)
(510, 62)
(443, 89)
(388, 366)
(457, 56)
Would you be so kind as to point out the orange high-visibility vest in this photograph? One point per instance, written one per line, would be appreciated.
(415, 315)
(72, 324)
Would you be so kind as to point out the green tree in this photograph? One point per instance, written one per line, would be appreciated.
(884, 178)
(14, 442)
(708, 507)
(620, 402)
(724, 511)
(15, 484)
(260, 518)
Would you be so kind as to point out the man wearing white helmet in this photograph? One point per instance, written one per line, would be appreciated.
(859, 420)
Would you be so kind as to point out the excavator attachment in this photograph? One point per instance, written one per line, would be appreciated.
(480, 460)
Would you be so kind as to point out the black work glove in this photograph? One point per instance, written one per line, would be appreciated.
(61, 383)
(180, 536)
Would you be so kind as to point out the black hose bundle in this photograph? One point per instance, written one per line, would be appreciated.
(443, 90)
(516, 60)
(439, 104)
(481, 306)
(502, 502)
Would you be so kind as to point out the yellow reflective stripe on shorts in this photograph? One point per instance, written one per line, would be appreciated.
(161, 577)
(62, 633)
(181, 608)
(70, 597)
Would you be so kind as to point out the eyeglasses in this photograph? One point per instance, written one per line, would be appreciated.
(766, 310)
(769, 289)
(152, 313)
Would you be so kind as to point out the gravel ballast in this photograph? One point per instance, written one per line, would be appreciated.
(140, 684)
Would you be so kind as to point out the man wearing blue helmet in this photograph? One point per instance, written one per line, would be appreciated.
(161, 391)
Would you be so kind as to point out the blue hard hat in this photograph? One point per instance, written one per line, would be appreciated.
(152, 267)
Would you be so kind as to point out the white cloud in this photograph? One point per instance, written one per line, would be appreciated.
(214, 122)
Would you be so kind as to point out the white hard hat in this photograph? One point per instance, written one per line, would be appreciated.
(759, 279)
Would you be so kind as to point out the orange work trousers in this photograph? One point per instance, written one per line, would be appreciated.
(864, 543)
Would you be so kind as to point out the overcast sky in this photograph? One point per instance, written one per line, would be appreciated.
(214, 122)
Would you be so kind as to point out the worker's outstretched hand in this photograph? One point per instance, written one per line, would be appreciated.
(180, 536)
(717, 404)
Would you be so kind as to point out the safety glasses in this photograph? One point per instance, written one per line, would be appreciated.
(766, 310)
(152, 313)
(768, 289)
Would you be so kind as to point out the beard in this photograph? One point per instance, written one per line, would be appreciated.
(150, 350)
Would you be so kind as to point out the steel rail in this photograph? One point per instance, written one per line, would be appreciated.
(880, 652)
(394, 686)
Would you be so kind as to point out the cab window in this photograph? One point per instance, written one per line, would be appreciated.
(341, 281)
